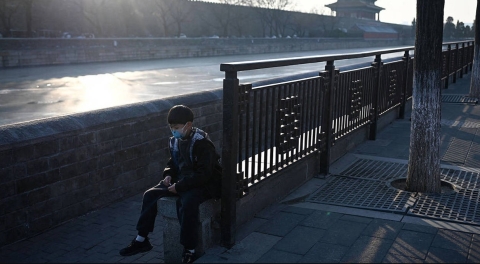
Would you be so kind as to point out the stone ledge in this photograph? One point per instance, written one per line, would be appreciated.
(208, 226)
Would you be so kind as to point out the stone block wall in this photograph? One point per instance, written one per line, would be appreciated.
(36, 52)
(56, 169)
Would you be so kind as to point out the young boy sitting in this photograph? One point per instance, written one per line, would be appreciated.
(193, 173)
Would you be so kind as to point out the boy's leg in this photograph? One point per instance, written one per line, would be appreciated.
(146, 221)
(187, 212)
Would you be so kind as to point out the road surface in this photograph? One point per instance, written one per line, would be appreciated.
(40, 92)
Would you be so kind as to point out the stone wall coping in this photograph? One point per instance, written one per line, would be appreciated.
(41, 128)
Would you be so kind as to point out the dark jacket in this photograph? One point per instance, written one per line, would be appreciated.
(194, 166)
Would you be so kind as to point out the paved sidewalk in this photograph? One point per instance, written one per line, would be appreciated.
(305, 228)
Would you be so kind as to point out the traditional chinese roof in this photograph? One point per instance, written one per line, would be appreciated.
(355, 4)
(375, 28)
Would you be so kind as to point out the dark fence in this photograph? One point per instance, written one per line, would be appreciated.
(270, 127)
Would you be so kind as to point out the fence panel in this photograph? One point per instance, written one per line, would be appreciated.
(278, 125)
(353, 101)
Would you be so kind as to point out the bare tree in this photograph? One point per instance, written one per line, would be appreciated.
(92, 11)
(475, 79)
(8, 9)
(270, 15)
(180, 12)
(225, 16)
(424, 161)
(28, 16)
(329, 23)
(238, 21)
(162, 12)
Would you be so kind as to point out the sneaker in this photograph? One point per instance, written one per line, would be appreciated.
(136, 247)
(188, 257)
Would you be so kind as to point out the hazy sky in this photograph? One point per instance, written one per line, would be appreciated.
(402, 11)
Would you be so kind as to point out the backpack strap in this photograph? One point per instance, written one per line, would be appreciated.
(198, 135)
(173, 146)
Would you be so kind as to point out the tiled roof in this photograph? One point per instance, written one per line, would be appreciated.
(353, 4)
(375, 28)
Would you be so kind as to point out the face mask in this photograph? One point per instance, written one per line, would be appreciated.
(178, 133)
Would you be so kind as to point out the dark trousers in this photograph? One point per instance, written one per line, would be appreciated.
(187, 212)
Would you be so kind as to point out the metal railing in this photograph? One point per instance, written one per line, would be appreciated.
(270, 127)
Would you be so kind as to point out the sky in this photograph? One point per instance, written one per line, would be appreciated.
(402, 11)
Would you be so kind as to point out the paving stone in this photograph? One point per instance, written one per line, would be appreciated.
(277, 256)
(247, 228)
(298, 210)
(343, 233)
(270, 211)
(300, 240)
(474, 252)
(211, 258)
(251, 248)
(393, 258)
(354, 218)
(321, 219)
(411, 244)
(442, 255)
(420, 228)
(368, 249)
(452, 240)
(324, 253)
(383, 229)
(281, 224)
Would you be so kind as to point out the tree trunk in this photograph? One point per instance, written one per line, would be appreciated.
(424, 161)
(28, 17)
(475, 79)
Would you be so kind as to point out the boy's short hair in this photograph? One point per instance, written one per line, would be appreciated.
(180, 114)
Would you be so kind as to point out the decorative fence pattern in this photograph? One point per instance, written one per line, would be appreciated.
(270, 127)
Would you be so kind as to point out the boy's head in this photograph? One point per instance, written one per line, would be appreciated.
(180, 120)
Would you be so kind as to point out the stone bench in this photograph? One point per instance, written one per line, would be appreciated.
(208, 227)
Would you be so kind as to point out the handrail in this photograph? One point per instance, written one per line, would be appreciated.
(272, 63)
(263, 64)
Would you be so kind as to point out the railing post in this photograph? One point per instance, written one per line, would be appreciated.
(229, 158)
(377, 63)
(455, 67)
(462, 60)
(449, 59)
(406, 59)
(472, 51)
(327, 124)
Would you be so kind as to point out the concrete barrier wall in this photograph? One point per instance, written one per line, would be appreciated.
(35, 52)
(56, 169)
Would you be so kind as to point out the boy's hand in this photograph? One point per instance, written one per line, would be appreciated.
(167, 181)
(172, 188)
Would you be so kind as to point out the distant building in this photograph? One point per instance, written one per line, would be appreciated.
(375, 30)
(362, 9)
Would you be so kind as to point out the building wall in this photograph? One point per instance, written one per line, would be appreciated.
(36, 52)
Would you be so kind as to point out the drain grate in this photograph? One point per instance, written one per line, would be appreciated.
(366, 184)
(460, 123)
(463, 179)
(450, 98)
(362, 193)
(461, 206)
(375, 169)
(457, 151)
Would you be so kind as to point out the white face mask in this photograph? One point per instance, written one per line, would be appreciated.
(178, 133)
